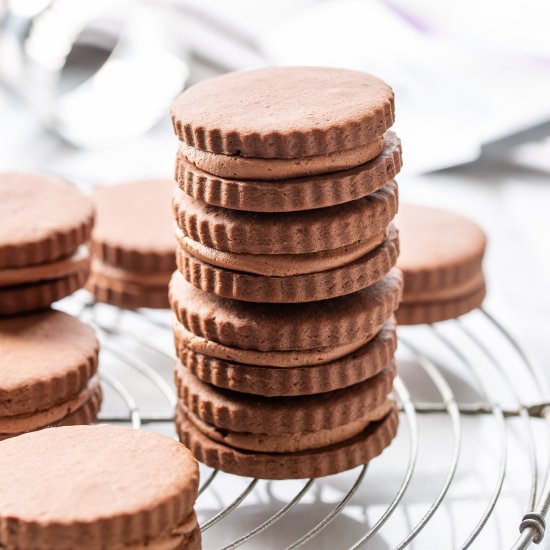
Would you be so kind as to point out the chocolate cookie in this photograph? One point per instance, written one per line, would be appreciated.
(293, 112)
(133, 244)
(44, 225)
(323, 371)
(327, 283)
(316, 462)
(286, 232)
(441, 259)
(47, 372)
(241, 412)
(267, 327)
(75, 488)
(289, 195)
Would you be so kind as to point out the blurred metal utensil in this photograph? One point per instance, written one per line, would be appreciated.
(95, 72)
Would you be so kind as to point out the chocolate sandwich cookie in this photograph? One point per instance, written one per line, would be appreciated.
(301, 232)
(441, 259)
(345, 321)
(289, 195)
(48, 372)
(311, 435)
(319, 276)
(133, 244)
(241, 412)
(44, 227)
(92, 487)
(286, 373)
(308, 463)
(306, 114)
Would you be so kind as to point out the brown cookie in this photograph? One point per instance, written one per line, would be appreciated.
(24, 298)
(268, 327)
(441, 259)
(415, 313)
(128, 289)
(305, 464)
(289, 195)
(291, 442)
(242, 412)
(284, 112)
(271, 358)
(78, 262)
(308, 287)
(133, 244)
(286, 232)
(249, 168)
(127, 296)
(280, 265)
(47, 371)
(439, 248)
(355, 367)
(81, 410)
(101, 487)
(42, 219)
(133, 231)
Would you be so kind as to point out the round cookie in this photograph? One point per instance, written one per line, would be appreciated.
(239, 167)
(286, 232)
(289, 195)
(133, 230)
(268, 327)
(25, 298)
(333, 459)
(133, 244)
(42, 219)
(241, 412)
(292, 112)
(271, 358)
(307, 287)
(441, 260)
(97, 487)
(333, 374)
(47, 372)
(417, 313)
(127, 295)
(44, 225)
(280, 265)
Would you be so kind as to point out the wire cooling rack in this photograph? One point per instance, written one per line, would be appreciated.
(469, 467)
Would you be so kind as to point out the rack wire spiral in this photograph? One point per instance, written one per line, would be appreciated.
(472, 404)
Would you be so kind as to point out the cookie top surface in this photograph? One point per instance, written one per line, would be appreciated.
(284, 112)
(134, 225)
(268, 327)
(438, 248)
(42, 219)
(45, 358)
(121, 484)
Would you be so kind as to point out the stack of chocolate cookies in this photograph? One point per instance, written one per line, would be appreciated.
(286, 288)
(48, 359)
(44, 231)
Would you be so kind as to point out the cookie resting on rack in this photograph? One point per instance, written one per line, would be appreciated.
(45, 225)
(441, 260)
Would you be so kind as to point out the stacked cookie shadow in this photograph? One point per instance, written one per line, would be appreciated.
(48, 359)
(286, 288)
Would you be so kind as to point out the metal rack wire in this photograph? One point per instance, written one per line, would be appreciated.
(473, 356)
